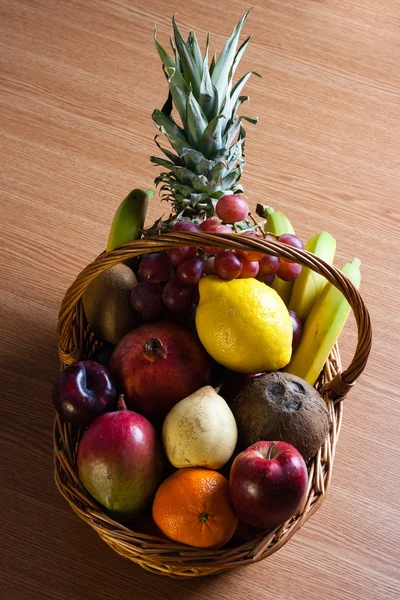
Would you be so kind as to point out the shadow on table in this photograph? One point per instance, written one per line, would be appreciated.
(46, 550)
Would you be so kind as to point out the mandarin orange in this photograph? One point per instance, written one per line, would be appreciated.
(193, 507)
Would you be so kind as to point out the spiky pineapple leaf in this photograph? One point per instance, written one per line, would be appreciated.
(196, 121)
(239, 85)
(211, 140)
(171, 130)
(221, 72)
(166, 60)
(238, 103)
(234, 128)
(219, 170)
(239, 55)
(169, 63)
(195, 51)
(208, 98)
(209, 137)
(207, 46)
(213, 63)
(236, 151)
(235, 93)
(174, 50)
(214, 187)
(203, 166)
(252, 120)
(172, 157)
(231, 131)
(191, 158)
(177, 143)
(162, 162)
(168, 126)
(178, 92)
(200, 183)
(184, 175)
(184, 190)
(190, 73)
(232, 178)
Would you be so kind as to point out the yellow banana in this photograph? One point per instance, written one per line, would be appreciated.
(309, 284)
(278, 224)
(129, 219)
(322, 327)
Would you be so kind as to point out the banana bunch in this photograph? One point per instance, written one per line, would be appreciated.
(129, 219)
(308, 286)
(323, 327)
(322, 309)
(301, 294)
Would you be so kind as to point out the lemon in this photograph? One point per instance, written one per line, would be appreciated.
(244, 325)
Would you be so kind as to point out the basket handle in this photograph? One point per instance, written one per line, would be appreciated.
(336, 389)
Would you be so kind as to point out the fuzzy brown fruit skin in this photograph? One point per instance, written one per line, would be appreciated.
(281, 407)
(158, 365)
(107, 303)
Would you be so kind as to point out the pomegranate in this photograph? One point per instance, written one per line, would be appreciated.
(158, 365)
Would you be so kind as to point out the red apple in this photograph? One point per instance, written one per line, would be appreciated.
(83, 392)
(158, 365)
(267, 483)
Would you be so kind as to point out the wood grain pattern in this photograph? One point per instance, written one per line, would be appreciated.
(78, 83)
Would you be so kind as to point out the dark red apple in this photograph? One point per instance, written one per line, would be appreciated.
(267, 483)
(83, 392)
(120, 462)
(158, 365)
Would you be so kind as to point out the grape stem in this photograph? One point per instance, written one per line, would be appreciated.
(258, 225)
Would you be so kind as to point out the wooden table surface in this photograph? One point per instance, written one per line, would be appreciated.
(79, 81)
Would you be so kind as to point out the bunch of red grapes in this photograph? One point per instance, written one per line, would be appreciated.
(170, 280)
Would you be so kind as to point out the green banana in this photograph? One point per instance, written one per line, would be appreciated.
(309, 284)
(129, 219)
(278, 224)
(322, 327)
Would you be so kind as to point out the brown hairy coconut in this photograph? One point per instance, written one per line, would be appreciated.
(281, 407)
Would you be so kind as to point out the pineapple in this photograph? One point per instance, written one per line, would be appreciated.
(207, 137)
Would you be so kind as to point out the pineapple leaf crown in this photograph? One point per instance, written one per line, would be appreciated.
(208, 140)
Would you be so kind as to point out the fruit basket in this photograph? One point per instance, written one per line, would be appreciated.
(229, 394)
(156, 554)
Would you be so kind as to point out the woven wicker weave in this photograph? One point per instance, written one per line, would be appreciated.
(76, 342)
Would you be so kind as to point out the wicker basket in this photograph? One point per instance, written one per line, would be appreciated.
(76, 341)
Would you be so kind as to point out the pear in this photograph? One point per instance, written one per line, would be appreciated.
(200, 431)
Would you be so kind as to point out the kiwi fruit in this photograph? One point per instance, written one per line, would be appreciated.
(281, 407)
(107, 303)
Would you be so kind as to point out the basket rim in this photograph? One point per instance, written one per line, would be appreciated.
(337, 388)
(162, 556)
